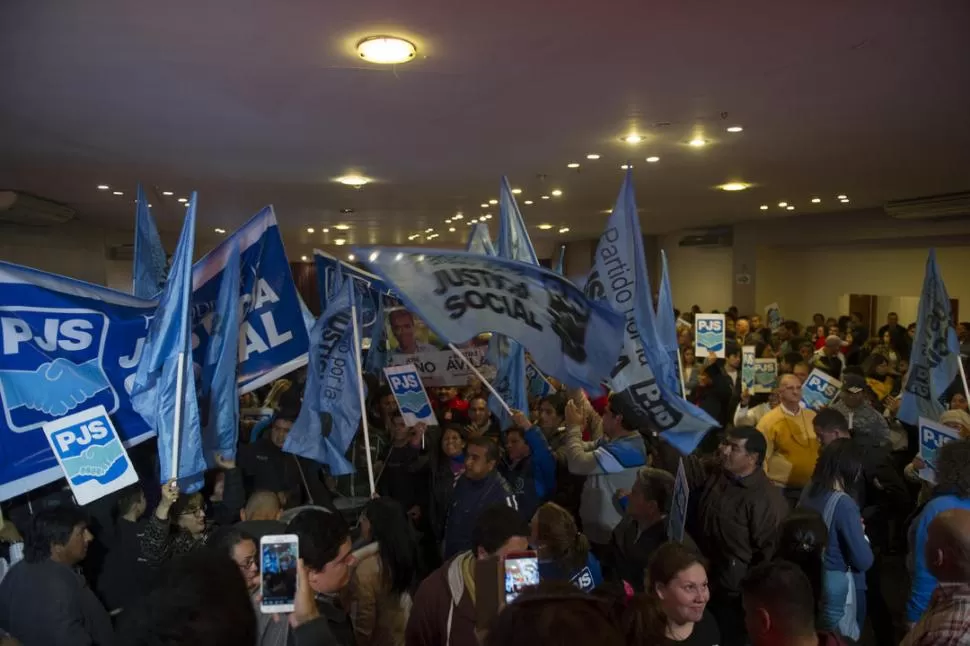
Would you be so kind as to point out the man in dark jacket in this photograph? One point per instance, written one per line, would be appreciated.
(446, 607)
(265, 466)
(529, 466)
(43, 599)
(125, 574)
(478, 488)
(736, 514)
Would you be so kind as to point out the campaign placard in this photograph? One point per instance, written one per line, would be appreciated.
(90, 453)
(678, 506)
(820, 390)
(765, 375)
(747, 367)
(932, 436)
(411, 397)
(710, 335)
(773, 317)
(539, 386)
(445, 368)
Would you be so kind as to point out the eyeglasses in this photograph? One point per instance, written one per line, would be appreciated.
(247, 563)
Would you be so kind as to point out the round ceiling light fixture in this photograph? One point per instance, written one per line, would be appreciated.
(632, 139)
(734, 129)
(544, 227)
(353, 180)
(697, 142)
(386, 50)
(734, 186)
(653, 159)
(592, 156)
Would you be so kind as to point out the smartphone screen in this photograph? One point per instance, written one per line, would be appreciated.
(521, 571)
(278, 558)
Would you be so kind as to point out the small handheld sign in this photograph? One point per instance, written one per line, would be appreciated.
(747, 367)
(709, 335)
(820, 390)
(765, 375)
(89, 451)
(411, 397)
(932, 437)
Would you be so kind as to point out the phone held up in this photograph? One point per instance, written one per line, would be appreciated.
(278, 556)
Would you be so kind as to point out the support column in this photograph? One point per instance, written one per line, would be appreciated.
(744, 292)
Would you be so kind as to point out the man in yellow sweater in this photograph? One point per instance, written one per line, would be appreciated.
(792, 444)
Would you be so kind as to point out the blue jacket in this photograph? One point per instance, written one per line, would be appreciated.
(586, 578)
(532, 479)
(925, 583)
(847, 548)
(471, 498)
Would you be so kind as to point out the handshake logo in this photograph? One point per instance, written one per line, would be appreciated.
(51, 364)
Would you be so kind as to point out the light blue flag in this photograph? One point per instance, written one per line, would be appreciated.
(667, 324)
(166, 365)
(219, 401)
(479, 241)
(461, 295)
(330, 415)
(513, 236)
(933, 362)
(377, 353)
(642, 373)
(149, 269)
(561, 261)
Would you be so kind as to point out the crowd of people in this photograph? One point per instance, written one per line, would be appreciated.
(790, 518)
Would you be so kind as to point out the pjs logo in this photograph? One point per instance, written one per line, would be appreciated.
(51, 363)
(710, 334)
(822, 387)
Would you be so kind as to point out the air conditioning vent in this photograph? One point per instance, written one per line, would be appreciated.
(20, 208)
(716, 238)
(950, 205)
(124, 251)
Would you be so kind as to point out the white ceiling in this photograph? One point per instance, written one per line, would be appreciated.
(254, 102)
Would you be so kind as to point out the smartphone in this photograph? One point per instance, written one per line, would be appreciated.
(278, 556)
(521, 571)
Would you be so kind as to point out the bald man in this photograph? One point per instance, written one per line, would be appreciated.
(792, 444)
(261, 515)
(947, 619)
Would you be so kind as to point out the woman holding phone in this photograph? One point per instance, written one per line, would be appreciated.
(563, 552)
(675, 608)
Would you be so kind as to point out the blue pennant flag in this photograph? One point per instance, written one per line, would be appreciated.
(643, 373)
(461, 295)
(561, 261)
(667, 324)
(479, 241)
(933, 363)
(219, 400)
(164, 391)
(273, 335)
(377, 352)
(330, 415)
(513, 236)
(149, 268)
(369, 288)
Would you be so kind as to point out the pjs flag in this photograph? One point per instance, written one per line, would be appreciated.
(149, 268)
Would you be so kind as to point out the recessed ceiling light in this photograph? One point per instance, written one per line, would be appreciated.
(473, 221)
(626, 166)
(103, 187)
(556, 193)
(493, 201)
(697, 142)
(386, 50)
(487, 216)
(432, 236)
(734, 128)
(517, 191)
(183, 200)
(149, 206)
(351, 257)
(451, 229)
(340, 242)
(303, 258)
(764, 207)
(310, 229)
(218, 230)
(592, 156)
(653, 160)
(845, 201)
(816, 200)
(782, 204)
(572, 165)
(734, 186)
(564, 230)
(842, 197)
(353, 180)
(429, 230)
(117, 193)
(413, 236)
(457, 216)
(632, 139)
(325, 230)
(545, 197)
(527, 202)
(789, 208)
(341, 227)
(168, 193)
(484, 205)
(544, 227)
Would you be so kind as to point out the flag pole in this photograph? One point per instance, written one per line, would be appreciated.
(360, 393)
(680, 373)
(177, 417)
(480, 377)
(963, 377)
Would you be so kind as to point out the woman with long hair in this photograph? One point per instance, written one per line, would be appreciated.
(380, 590)
(889, 348)
(856, 351)
(879, 376)
(689, 373)
(838, 474)
(448, 463)
(674, 608)
(563, 551)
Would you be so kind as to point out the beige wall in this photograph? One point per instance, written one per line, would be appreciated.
(71, 249)
(699, 275)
